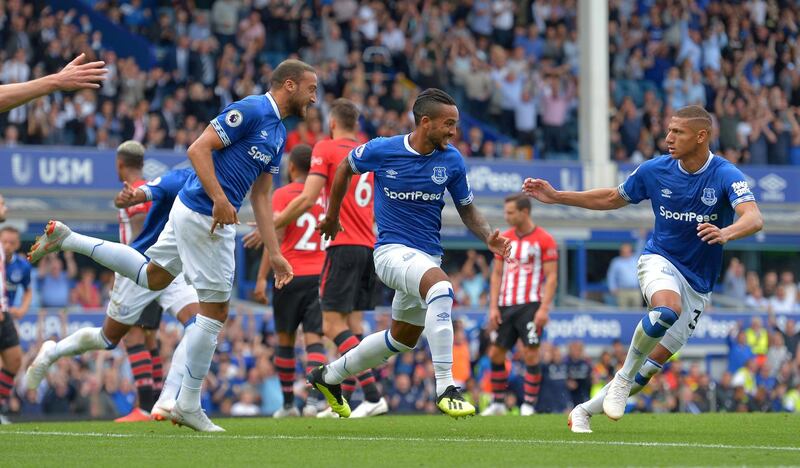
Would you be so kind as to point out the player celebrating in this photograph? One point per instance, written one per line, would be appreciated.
(411, 174)
(519, 304)
(348, 283)
(129, 304)
(298, 302)
(694, 196)
(241, 149)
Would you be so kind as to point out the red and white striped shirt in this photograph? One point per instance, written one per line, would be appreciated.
(125, 215)
(522, 279)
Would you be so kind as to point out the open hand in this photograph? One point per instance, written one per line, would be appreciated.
(79, 75)
(282, 270)
(499, 245)
(539, 189)
(252, 240)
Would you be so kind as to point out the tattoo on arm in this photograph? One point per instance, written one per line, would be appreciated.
(474, 220)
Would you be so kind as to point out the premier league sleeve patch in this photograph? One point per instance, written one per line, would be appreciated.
(233, 118)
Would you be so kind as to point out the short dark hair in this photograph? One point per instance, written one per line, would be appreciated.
(345, 112)
(428, 102)
(301, 158)
(521, 201)
(694, 113)
(9, 229)
(290, 70)
(131, 153)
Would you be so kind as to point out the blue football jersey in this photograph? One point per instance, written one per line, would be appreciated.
(254, 137)
(680, 202)
(409, 190)
(18, 277)
(162, 192)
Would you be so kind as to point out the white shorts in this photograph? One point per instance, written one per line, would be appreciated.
(656, 273)
(128, 299)
(206, 260)
(401, 268)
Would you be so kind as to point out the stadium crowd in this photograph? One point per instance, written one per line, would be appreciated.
(512, 66)
(761, 369)
(762, 375)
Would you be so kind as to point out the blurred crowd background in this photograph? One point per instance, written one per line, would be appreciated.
(512, 66)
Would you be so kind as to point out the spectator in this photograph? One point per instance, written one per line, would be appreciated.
(53, 282)
(758, 340)
(623, 278)
(475, 278)
(739, 353)
(86, 293)
(579, 373)
(734, 282)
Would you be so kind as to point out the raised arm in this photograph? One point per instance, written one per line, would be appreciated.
(261, 199)
(329, 227)
(595, 199)
(76, 75)
(301, 203)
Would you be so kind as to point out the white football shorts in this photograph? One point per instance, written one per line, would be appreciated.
(401, 268)
(206, 260)
(128, 299)
(656, 273)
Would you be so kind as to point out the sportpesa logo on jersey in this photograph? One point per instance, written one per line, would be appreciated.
(256, 154)
(688, 217)
(413, 195)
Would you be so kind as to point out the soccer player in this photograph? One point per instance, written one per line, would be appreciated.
(131, 303)
(10, 351)
(694, 195)
(140, 340)
(18, 272)
(347, 286)
(240, 150)
(412, 173)
(520, 295)
(298, 302)
(76, 75)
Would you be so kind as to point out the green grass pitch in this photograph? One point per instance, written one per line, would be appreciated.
(410, 441)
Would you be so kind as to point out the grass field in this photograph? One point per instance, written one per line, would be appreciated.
(651, 440)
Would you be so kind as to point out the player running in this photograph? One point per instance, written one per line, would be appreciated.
(129, 303)
(348, 281)
(694, 196)
(520, 295)
(240, 150)
(412, 173)
(298, 302)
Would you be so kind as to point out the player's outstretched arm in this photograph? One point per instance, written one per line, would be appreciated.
(261, 199)
(76, 75)
(474, 220)
(748, 222)
(129, 196)
(301, 203)
(329, 227)
(200, 155)
(596, 199)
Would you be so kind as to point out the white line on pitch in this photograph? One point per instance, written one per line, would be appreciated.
(403, 439)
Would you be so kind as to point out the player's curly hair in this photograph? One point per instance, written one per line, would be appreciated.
(428, 102)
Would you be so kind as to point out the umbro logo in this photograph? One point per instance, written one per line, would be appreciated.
(443, 317)
(407, 256)
(391, 174)
(264, 134)
(666, 193)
